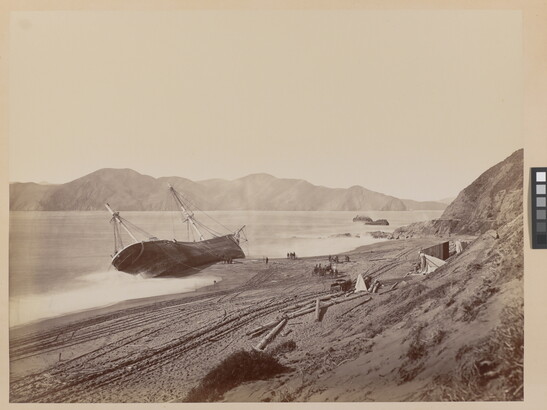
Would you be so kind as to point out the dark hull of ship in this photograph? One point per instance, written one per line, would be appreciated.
(171, 258)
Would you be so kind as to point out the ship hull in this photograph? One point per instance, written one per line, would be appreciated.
(166, 258)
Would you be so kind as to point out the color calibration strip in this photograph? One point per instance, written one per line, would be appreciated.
(539, 208)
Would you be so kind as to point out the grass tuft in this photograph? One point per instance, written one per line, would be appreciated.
(239, 367)
(284, 347)
(492, 371)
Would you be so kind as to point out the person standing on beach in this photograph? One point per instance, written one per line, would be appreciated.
(422, 262)
(267, 260)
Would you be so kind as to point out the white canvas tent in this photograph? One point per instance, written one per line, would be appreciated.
(360, 284)
(431, 264)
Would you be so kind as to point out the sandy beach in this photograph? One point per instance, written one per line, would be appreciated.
(157, 349)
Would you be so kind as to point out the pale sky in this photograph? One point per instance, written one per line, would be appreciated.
(412, 104)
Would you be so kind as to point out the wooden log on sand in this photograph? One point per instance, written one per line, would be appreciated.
(325, 305)
(307, 302)
(356, 296)
(317, 310)
(300, 312)
(263, 327)
(334, 295)
(270, 335)
(309, 307)
(295, 306)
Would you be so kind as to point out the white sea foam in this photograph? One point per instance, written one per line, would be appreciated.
(99, 289)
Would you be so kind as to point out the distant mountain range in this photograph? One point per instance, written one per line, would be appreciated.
(128, 190)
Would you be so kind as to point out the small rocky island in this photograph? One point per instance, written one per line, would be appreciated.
(368, 221)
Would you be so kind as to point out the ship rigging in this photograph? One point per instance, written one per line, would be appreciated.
(156, 257)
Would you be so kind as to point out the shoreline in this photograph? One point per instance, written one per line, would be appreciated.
(228, 281)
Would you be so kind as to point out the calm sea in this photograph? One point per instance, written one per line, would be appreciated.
(59, 262)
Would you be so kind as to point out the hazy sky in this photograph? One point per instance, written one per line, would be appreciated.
(412, 104)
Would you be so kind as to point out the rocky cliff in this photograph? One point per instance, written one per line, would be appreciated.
(491, 201)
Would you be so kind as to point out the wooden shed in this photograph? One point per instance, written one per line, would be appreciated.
(440, 251)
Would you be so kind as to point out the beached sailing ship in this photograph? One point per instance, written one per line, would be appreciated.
(157, 257)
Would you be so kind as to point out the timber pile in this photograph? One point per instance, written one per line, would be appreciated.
(271, 335)
(297, 310)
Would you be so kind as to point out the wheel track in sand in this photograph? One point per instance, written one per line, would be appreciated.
(36, 342)
(140, 362)
(51, 341)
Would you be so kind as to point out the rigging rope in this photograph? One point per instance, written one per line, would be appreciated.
(186, 202)
(194, 206)
(172, 224)
(133, 227)
(118, 243)
(184, 218)
(136, 228)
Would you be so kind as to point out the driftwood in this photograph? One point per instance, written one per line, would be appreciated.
(317, 310)
(295, 306)
(308, 308)
(357, 296)
(300, 312)
(325, 305)
(263, 327)
(307, 302)
(394, 286)
(271, 335)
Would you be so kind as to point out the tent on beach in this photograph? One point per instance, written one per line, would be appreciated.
(433, 257)
(360, 284)
(430, 263)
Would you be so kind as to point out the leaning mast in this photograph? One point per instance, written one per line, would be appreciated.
(116, 217)
(189, 216)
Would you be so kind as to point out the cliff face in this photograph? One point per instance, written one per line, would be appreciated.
(128, 190)
(491, 201)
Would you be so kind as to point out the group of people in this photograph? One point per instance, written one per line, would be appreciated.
(336, 259)
(372, 285)
(329, 269)
(226, 259)
(291, 255)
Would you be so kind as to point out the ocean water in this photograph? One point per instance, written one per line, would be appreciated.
(59, 262)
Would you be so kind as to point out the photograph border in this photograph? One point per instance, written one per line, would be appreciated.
(534, 130)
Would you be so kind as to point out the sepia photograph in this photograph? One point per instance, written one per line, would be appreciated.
(262, 205)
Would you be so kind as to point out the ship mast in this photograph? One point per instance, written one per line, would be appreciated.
(116, 217)
(189, 215)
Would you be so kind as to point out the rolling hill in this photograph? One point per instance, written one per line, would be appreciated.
(129, 190)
